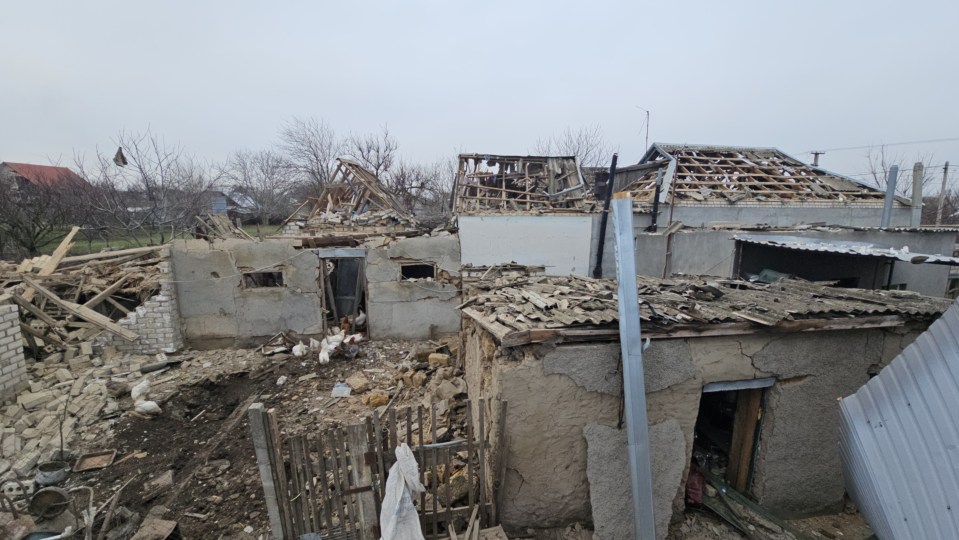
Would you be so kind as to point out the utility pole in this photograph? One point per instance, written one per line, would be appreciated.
(918, 172)
(815, 157)
(890, 196)
(942, 193)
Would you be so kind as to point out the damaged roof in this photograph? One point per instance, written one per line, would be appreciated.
(571, 308)
(696, 174)
(845, 247)
(488, 183)
(354, 197)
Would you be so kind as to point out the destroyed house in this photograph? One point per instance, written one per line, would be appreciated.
(741, 377)
(698, 184)
(353, 202)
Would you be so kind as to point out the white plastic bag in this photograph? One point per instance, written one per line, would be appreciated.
(398, 518)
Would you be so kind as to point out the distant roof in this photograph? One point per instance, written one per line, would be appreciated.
(549, 308)
(45, 175)
(698, 174)
(844, 247)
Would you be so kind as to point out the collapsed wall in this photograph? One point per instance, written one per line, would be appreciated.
(557, 392)
(13, 366)
(157, 321)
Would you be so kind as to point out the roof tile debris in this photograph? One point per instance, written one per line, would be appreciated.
(520, 184)
(511, 309)
(729, 175)
(846, 247)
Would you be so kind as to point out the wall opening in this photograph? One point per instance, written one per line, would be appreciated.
(344, 286)
(727, 430)
(417, 271)
(254, 280)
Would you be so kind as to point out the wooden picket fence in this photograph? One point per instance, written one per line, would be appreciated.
(332, 482)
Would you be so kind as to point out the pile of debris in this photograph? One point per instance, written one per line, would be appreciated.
(65, 302)
(353, 199)
(528, 184)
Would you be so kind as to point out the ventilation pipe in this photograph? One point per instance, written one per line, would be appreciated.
(890, 195)
(917, 174)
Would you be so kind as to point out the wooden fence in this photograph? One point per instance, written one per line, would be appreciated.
(332, 482)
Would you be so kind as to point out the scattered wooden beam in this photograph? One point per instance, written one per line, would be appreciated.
(51, 265)
(83, 312)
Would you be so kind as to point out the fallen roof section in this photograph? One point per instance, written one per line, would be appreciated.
(697, 174)
(899, 435)
(843, 247)
(488, 183)
(353, 198)
(539, 309)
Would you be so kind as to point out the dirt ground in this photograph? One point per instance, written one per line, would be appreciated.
(223, 498)
(215, 490)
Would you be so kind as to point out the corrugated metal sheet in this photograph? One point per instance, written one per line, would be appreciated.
(864, 249)
(899, 439)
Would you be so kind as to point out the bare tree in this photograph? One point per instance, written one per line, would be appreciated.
(311, 148)
(265, 178)
(880, 160)
(423, 188)
(148, 188)
(35, 215)
(376, 152)
(586, 143)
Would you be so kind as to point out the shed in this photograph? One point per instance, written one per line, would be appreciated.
(743, 375)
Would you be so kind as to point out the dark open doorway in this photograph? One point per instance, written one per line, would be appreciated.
(344, 284)
(727, 429)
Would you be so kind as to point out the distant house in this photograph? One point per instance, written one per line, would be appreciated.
(218, 202)
(40, 176)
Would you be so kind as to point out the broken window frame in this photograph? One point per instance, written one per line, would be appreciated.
(249, 281)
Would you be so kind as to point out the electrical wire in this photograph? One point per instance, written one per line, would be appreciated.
(844, 148)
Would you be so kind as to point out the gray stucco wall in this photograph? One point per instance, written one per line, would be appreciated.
(216, 310)
(416, 309)
(555, 392)
(561, 243)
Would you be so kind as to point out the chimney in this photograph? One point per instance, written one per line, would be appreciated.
(815, 157)
(917, 174)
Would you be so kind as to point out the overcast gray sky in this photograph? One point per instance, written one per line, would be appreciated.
(490, 77)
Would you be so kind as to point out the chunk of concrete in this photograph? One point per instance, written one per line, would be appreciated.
(439, 360)
(359, 382)
(63, 375)
(611, 497)
(24, 465)
(32, 401)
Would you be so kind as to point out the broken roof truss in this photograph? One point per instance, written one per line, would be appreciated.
(728, 175)
(354, 197)
(519, 184)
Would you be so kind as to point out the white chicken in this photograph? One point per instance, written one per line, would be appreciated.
(140, 390)
(360, 320)
(337, 338)
(147, 407)
(324, 357)
(353, 339)
(299, 350)
(315, 345)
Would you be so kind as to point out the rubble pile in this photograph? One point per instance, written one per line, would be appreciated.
(65, 302)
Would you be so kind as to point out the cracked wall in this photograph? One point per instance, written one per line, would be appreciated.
(413, 309)
(554, 392)
(216, 310)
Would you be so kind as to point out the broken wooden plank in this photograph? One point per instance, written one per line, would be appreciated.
(105, 293)
(54, 260)
(109, 254)
(84, 313)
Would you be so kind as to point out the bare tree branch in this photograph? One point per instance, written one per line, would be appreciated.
(587, 144)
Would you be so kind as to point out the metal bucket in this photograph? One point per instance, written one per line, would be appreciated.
(51, 473)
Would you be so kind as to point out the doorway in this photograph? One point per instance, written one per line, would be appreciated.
(727, 429)
(344, 287)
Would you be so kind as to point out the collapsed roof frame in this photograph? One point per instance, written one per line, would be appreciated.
(494, 183)
(353, 190)
(696, 174)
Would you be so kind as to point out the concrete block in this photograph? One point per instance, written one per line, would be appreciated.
(611, 497)
(63, 375)
(439, 360)
(34, 400)
(24, 465)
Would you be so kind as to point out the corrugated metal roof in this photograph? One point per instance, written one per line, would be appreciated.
(899, 439)
(843, 247)
(46, 175)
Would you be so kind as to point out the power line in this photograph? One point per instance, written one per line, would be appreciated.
(927, 141)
